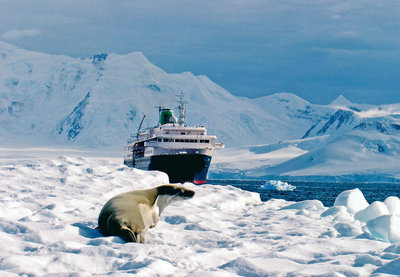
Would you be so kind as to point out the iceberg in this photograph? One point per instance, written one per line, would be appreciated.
(277, 185)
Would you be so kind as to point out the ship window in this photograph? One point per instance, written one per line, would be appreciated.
(159, 139)
(182, 133)
(207, 141)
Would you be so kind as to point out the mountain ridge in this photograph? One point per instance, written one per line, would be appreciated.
(40, 92)
(98, 102)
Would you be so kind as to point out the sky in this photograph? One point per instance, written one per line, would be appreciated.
(316, 49)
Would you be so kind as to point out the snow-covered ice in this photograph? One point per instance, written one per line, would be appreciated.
(353, 200)
(49, 208)
(393, 204)
(385, 227)
(379, 219)
(374, 210)
(277, 185)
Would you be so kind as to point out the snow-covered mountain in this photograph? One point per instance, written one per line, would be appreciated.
(99, 101)
(352, 144)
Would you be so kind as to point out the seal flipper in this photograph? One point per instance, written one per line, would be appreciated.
(127, 234)
(150, 214)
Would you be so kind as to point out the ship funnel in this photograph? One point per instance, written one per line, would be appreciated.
(167, 116)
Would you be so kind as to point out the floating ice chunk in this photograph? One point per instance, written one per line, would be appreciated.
(385, 227)
(393, 204)
(372, 211)
(277, 185)
(305, 205)
(353, 200)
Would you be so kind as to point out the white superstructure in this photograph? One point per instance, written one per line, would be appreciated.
(172, 142)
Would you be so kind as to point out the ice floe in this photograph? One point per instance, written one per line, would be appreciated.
(49, 209)
(277, 185)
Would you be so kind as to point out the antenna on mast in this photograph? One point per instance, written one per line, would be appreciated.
(182, 109)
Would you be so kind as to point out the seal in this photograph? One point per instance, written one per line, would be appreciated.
(128, 215)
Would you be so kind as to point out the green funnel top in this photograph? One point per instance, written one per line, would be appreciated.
(167, 116)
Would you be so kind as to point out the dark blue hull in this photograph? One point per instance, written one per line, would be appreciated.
(179, 167)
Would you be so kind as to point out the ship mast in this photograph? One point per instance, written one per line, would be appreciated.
(182, 109)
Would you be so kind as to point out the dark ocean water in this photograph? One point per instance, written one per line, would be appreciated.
(326, 192)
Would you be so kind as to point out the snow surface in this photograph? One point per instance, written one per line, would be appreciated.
(49, 206)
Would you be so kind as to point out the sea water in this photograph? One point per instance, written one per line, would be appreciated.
(326, 192)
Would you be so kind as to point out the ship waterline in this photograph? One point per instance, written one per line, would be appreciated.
(180, 168)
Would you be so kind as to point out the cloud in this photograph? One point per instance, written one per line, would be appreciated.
(316, 49)
(18, 34)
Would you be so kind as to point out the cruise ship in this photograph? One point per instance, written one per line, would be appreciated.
(181, 151)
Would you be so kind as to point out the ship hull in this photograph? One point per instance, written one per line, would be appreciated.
(180, 168)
